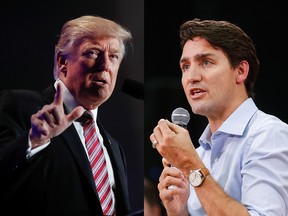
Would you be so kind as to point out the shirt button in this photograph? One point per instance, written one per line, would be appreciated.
(216, 160)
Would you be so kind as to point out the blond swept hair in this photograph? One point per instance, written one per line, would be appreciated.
(76, 30)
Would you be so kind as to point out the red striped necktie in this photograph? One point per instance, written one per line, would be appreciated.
(98, 165)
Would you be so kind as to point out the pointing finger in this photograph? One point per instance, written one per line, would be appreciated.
(58, 98)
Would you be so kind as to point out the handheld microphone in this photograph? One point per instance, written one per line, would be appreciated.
(181, 117)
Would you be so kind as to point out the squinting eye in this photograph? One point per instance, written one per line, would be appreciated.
(114, 56)
(90, 54)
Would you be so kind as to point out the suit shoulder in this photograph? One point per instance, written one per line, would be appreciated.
(20, 101)
(21, 95)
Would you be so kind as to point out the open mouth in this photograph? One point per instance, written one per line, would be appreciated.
(100, 81)
(196, 91)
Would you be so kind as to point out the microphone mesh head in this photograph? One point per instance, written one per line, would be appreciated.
(180, 116)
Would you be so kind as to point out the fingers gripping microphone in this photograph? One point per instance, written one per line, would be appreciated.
(181, 117)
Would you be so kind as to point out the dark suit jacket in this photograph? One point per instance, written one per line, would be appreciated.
(57, 180)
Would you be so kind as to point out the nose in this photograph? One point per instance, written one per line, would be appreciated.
(104, 63)
(194, 74)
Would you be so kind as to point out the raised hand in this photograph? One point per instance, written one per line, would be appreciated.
(51, 120)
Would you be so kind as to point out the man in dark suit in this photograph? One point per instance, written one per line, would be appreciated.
(44, 163)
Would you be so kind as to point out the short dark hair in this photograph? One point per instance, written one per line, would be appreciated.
(228, 37)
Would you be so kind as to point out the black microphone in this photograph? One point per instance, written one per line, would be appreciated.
(181, 117)
(133, 88)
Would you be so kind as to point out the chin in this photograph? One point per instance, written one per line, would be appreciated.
(197, 109)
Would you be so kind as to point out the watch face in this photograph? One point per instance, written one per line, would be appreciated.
(195, 178)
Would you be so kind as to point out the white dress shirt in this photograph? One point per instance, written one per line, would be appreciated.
(248, 157)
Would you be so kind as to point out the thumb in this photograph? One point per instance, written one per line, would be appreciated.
(76, 113)
(165, 162)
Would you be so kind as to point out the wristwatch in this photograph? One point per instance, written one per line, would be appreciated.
(197, 177)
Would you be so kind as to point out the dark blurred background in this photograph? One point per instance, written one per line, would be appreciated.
(29, 33)
(265, 22)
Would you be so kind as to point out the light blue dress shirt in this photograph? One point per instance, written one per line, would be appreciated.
(248, 157)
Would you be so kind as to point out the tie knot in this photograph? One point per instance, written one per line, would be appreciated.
(86, 117)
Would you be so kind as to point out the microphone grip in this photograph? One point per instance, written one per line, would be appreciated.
(172, 187)
(180, 117)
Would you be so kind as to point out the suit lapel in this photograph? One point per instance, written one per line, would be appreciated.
(73, 141)
(118, 161)
(117, 158)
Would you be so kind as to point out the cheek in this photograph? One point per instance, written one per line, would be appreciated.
(221, 82)
(76, 76)
(113, 79)
(113, 75)
(184, 83)
(75, 69)
(220, 89)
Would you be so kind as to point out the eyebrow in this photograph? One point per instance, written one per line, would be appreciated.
(196, 57)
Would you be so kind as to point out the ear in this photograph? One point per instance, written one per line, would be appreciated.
(62, 63)
(242, 72)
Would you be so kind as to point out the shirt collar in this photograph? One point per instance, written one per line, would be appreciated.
(238, 120)
(235, 124)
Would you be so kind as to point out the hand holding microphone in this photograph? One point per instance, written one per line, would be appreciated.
(172, 139)
(166, 131)
(181, 117)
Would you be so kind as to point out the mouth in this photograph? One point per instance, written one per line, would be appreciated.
(196, 91)
(99, 80)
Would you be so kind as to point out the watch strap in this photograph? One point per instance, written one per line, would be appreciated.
(205, 172)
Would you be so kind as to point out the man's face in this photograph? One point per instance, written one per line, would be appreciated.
(92, 69)
(208, 79)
